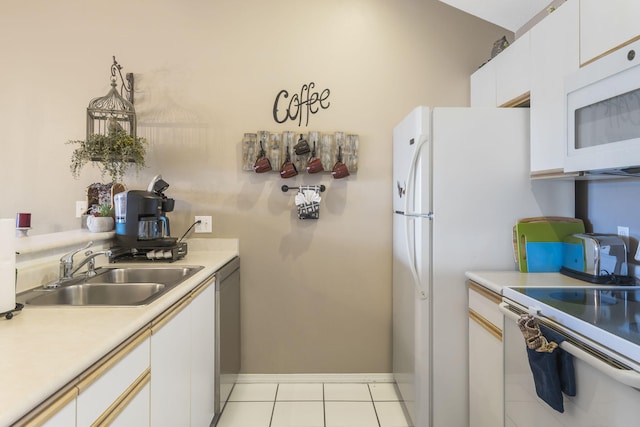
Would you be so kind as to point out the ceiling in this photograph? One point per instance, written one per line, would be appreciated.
(509, 14)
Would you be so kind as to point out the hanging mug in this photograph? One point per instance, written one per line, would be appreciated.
(288, 168)
(262, 163)
(314, 164)
(302, 147)
(340, 169)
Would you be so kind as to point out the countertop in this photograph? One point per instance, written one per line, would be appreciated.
(496, 280)
(44, 348)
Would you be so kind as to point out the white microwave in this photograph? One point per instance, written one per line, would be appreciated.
(603, 115)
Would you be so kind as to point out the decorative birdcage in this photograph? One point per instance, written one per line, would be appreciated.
(112, 113)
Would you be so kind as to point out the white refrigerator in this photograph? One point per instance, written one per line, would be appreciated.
(460, 183)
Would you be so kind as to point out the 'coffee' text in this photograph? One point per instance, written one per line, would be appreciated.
(300, 105)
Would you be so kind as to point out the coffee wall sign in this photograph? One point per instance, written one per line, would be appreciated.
(300, 105)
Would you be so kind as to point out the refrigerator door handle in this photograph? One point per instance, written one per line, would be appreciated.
(422, 139)
(420, 215)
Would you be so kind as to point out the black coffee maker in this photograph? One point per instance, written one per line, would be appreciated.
(141, 217)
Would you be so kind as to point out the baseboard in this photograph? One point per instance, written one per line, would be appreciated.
(315, 378)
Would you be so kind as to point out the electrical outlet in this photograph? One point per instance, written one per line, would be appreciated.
(81, 208)
(204, 226)
(624, 233)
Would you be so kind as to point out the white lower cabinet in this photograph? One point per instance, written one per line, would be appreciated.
(113, 392)
(134, 411)
(182, 362)
(60, 413)
(486, 360)
(203, 356)
(170, 367)
(107, 391)
(65, 417)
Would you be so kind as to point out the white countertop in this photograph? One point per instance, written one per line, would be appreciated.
(496, 280)
(44, 348)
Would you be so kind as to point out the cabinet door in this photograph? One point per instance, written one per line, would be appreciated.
(606, 26)
(506, 79)
(483, 86)
(513, 72)
(554, 53)
(170, 368)
(203, 356)
(486, 384)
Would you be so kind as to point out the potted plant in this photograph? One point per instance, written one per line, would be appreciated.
(101, 220)
(112, 153)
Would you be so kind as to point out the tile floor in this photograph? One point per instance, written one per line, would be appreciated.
(313, 405)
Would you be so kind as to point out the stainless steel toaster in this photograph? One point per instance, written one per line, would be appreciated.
(594, 255)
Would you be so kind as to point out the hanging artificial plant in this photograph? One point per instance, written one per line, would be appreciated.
(112, 153)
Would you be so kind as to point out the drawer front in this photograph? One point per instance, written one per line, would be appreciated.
(485, 303)
(98, 394)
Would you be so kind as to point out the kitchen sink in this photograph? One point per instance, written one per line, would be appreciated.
(163, 275)
(113, 286)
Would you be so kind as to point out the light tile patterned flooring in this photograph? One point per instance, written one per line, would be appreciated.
(313, 405)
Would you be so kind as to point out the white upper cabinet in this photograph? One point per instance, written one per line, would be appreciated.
(554, 54)
(606, 26)
(513, 74)
(506, 79)
(483, 86)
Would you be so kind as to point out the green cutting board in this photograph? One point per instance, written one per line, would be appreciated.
(539, 243)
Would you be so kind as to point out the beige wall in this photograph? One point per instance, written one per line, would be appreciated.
(316, 295)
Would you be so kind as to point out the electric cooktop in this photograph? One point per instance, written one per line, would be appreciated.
(608, 315)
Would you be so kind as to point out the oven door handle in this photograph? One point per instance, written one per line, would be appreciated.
(627, 377)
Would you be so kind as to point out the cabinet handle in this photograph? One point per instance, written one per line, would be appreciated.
(50, 410)
(205, 284)
(490, 295)
(485, 324)
(170, 314)
(111, 360)
(123, 400)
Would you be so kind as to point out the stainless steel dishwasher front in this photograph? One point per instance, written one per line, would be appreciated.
(227, 346)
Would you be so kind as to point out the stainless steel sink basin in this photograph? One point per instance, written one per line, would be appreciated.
(101, 294)
(113, 286)
(163, 275)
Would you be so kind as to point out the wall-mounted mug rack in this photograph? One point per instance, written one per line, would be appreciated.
(328, 146)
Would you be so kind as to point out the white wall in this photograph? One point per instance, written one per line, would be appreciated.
(316, 295)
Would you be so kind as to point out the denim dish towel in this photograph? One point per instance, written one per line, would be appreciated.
(553, 372)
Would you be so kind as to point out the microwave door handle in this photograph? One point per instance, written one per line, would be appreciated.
(410, 237)
(627, 377)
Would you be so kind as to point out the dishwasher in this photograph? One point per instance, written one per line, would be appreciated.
(227, 345)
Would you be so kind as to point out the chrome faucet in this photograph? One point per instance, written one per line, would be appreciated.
(90, 258)
(66, 262)
(68, 269)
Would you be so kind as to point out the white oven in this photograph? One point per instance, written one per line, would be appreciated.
(603, 114)
(600, 325)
